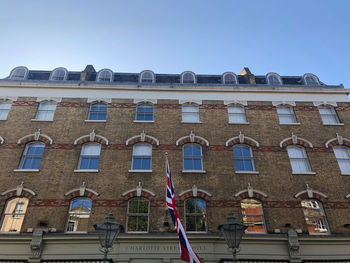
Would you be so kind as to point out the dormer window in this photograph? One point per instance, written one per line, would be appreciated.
(104, 75)
(59, 74)
(147, 77)
(19, 73)
(273, 79)
(188, 78)
(311, 80)
(229, 78)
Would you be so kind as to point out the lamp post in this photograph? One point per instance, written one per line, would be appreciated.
(233, 232)
(107, 232)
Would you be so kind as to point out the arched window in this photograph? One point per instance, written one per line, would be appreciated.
(343, 157)
(46, 111)
(192, 154)
(144, 112)
(142, 156)
(229, 78)
(311, 80)
(253, 215)
(105, 75)
(315, 217)
(32, 155)
(286, 115)
(328, 115)
(89, 156)
(188, 78)
(190, 113)
(19, 73)
(5, 107)
(273, 80)
(147, 77)
(138, 211)
(98, 112)
(236, 114)
(59, 74)
(78, 215)
(196, 215)
(243, 157)
(298, 159)
(13, 216)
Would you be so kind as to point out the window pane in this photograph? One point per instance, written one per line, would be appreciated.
(138, 215)
(13, 215)
(91, 149)
(98, 111)
(79, 214)
(343, 157)
(253, 215)
(195, 213)
(190, 108)
(314, 217)
(296, 152)
(142, 149)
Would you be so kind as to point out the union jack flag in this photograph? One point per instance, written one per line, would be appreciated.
(186, 252)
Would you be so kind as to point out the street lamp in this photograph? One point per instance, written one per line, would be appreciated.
(233, 232)
(107, 232)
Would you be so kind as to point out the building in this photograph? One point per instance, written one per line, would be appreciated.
(75, 145)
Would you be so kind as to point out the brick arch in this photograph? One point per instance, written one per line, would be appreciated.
(338, 141)
(36, 136)
(316, 196)
(143, 137)
(134, 194)
(192, 138)
(139, 191)
(19, 191)
(81, 191)
(310, 193)
(242, 139)
(295, 140)
(195, 192)
(92, 137)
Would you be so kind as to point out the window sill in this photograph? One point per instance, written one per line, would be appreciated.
(86, 171)
(143, 121)
(75, 232)
(95, 120)
(245, 123)
(345, 173)
(27, 170)
(42, 120)
(246, 172)
(3, 120)
(140, 171)
(295, 123)
(10, 232)
(333, 124)
(191, 122)
(305, 173)
(193, 171)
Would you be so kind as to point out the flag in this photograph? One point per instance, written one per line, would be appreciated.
(186, 252)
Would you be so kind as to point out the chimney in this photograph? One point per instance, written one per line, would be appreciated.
(249, 77)
(87, 72)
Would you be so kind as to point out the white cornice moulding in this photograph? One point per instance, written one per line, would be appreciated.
(241, 102)
(11, 98)
(57, 99)
(107, 100)
(153, 101)
(276, 103)
(331, 103)
(199, 102)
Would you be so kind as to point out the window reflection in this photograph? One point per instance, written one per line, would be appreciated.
(138, 215)
(196, 215)
(79, 214)
(253, 215)
(314, 217)
(14, 215)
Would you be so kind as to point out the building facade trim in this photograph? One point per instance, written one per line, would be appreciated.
(277, 103)
(81, 191)
(36, 136)
(97, 99)
(293, 140)
(11, 98)
(310, 193)
(195, 191)
(56, 99)
(241, 102)
(19, 191)
(143, 137)
(242, 139)
(138, 191)
(92, 137)
(338, 140)
(323, 103)
(250, 192)
(192, 138)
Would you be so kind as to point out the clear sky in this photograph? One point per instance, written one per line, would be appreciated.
(167, 36)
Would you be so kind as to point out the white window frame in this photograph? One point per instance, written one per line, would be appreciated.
(69, 214)
(342, 159)
(251, 158)
(263, 216)
(88, 155)
(99, 78)
(333, 114)
(275, 75)
(143, 156)
(291, 114)
(192, 157)
(196, 113)
(195, 215)
(186, 81)
(319, 206)
(89, 115)
(15, 77)
(25, 155)
(40, 110)
(54, 77)
(137, 214)
(243, 113)
(304, 159)
(5, 111)
(316, 81)
(138, 107)
(147, 80)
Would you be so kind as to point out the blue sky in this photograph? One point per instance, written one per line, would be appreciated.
(287, 37)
